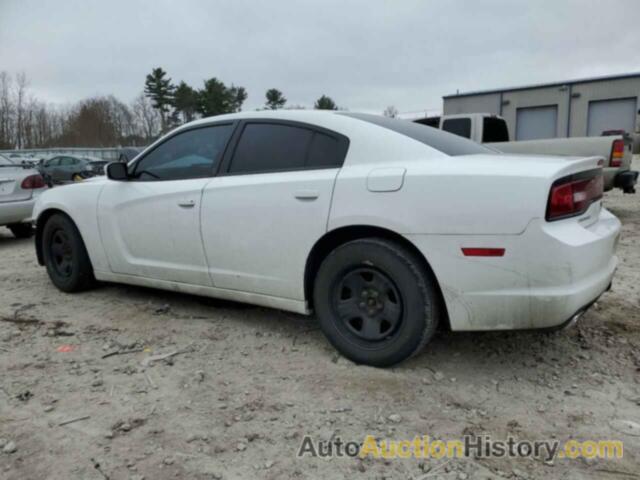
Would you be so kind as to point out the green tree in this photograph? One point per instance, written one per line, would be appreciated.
(325, 103)
(216, 98)
(185, 101)
(160, 90)
(237, 96)
(275, 99)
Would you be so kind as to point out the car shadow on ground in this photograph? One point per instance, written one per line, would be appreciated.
(499, 350)
(7, 238)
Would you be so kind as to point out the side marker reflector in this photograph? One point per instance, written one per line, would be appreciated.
(483, 252)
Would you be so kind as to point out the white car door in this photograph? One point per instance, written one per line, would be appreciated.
(262, 215)
(150, 224)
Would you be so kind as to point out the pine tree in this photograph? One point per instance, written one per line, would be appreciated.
(236, 97)
(160, 90)
(185, 101)
(216, 98)
(325, 103)
(275, 99)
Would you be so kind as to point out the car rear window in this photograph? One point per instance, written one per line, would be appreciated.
(429, 121)
(444, 142)
(5, 161)
(494, 130)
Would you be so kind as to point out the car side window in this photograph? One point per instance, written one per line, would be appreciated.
(190, 154)
(265, 147)
(458, 126)
(326, 151)
(66, 161)
(272, 147)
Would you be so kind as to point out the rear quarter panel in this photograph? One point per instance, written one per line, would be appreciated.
(475, 194)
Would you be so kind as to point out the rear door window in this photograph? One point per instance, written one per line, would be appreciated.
(273, 147)
(326, 151)
(267, 147)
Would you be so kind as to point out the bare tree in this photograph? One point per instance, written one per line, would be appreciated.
(20, 99)
(390, 111)
(146, 117)
(6, 111)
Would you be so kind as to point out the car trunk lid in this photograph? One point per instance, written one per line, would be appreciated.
(10, 181)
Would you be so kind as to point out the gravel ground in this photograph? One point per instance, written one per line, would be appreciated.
(246, 384)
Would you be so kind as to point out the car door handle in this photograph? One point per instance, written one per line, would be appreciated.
(187, 203)
(306, 194)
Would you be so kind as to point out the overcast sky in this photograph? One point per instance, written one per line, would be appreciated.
(365, 54)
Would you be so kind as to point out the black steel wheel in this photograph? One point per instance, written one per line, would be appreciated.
(61, 251)
(376, 302)
(368, 303)
(65, 255)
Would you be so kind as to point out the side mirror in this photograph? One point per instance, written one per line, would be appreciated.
(117, 171)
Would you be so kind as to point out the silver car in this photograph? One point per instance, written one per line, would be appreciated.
(19, 187)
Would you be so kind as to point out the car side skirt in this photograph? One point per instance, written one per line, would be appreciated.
(288, 304)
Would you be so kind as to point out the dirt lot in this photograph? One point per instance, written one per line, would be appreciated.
(248, 383)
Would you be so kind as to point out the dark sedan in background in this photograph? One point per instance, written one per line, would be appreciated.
(69, 168)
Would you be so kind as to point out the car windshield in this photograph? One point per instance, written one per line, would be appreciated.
(444, 142)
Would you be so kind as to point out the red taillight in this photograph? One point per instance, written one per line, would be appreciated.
(32, 182)
(572, 195)
(617, 153)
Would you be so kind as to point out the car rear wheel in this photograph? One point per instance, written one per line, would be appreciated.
(65, 255)
(76, 177)
(21, 230)
(375, 302)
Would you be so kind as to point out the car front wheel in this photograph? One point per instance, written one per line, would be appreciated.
(375, 302)
(65, 255)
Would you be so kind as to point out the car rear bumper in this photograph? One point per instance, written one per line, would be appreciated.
(16, 212)
(548, 273)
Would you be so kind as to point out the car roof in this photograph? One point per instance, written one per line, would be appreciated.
(372, 138)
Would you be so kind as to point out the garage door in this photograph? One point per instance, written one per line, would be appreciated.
(536, 122)
(618, 114)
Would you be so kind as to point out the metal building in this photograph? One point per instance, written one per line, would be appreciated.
(576, 108)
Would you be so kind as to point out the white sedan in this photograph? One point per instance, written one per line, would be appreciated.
(385, 228)
(19, 187)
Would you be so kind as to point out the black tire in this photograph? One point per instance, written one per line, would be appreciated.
(65, 255)
(374, 272)
(21, 230)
